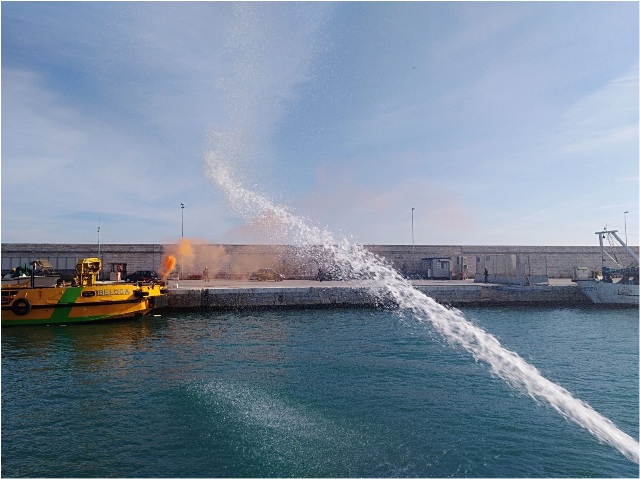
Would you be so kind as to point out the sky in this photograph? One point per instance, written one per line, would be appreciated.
(443, 123)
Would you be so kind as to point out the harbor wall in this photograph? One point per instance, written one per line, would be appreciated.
(354, 296)
(231, 261)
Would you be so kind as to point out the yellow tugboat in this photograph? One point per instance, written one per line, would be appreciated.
(84, 300)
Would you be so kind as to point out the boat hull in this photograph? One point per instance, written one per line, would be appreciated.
(601, 292)
(23, 306)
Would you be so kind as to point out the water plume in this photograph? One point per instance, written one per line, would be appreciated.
(450, 323)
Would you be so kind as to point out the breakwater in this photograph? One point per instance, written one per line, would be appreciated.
(239, 261)
(310, 294)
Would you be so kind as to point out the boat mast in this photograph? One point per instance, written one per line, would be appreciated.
(613, 232)
(600, 237)
(629, 250)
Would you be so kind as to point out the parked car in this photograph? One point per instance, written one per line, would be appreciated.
(266, 274)
(144, 276)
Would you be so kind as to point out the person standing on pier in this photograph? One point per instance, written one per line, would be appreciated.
(486, 275)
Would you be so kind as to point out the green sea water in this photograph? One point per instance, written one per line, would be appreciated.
(312, 393)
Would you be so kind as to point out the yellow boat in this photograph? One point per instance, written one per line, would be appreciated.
(86, 299)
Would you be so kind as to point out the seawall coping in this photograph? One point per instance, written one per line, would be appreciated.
(224, 297)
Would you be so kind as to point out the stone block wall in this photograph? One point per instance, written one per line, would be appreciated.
(64, 257)
(233, 261)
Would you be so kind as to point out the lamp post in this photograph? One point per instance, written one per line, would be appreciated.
(413, 245)
(626, 240)
(182, 209)
(99, 239)
(182, 234)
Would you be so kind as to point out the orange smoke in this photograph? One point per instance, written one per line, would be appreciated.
(184, 248)
(168, 263)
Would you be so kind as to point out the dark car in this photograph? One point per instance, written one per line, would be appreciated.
(144, 276)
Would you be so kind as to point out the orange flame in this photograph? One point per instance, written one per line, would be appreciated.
(168, 263)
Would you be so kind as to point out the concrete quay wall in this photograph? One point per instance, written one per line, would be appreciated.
(238, 261)
(234, 298)
(64, 257)
(229, 298)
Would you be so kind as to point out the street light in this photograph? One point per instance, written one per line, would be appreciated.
(413, 245)
(626, 240)
(412, 242)
(182, 209)
(99, 238)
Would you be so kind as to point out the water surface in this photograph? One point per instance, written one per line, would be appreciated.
(312, 393)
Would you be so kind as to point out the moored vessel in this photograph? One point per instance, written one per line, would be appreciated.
(41, 270)
(617, 286)
(85, 299)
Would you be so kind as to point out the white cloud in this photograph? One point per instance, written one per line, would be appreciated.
(39, 135)
(473, 137)
(477, 24)
(57, 162)
(605, 121)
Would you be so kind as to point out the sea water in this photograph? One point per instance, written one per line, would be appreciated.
(451, 324)
(309, 393)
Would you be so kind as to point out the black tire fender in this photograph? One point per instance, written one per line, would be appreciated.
(21, 306)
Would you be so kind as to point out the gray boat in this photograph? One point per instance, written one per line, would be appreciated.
(41, 272)
(618, 285)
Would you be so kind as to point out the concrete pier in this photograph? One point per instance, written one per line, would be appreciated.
(225, 295)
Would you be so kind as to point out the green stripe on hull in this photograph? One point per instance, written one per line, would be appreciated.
(69, 296)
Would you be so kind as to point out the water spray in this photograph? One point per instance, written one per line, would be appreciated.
(450, 323)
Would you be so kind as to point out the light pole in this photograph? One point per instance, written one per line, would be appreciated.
(413, 245)
(99, 239)
(626, 240)
(182, 233)
(182, 209)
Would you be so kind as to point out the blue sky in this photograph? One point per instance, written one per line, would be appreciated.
(500, 123)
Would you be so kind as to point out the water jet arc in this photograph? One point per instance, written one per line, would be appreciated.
(450, 323)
